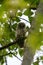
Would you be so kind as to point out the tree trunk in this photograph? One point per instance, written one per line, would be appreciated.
(28, 54)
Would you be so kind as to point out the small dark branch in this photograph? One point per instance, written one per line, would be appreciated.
(9, 54)
(6, 60)
(5, 54)
(10, 44)
(17, 58)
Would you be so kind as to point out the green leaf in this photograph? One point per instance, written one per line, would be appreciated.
(37, 62)
(14, 26)
(21, 51)
(2, 61)
(16, 19)
(41, 57)
(19, 14)
(28, 12)
(10, 55)
(30, 19)
(1, 1)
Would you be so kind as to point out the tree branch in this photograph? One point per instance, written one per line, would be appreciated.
(16, 40)
(9, 54)
(7, 45)
(6, 60)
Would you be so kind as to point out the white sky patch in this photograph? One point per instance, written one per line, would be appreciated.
(26, 34)
(28, 4)
(38, 54)
(4, 16)
(40, 30)
(10, 11)
(41, 25)
(41, 47)
(33, 12)
(0, 5)
(2, 25)
(20, 56)
(11, 40)
(18, 11)
(24, 10)
(26, 18)
(40, 63)
(13, 60)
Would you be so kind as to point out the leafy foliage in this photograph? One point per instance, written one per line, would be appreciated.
(9, 19)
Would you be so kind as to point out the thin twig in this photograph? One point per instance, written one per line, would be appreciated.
(18, 58)
(9, 54)
(6, 60)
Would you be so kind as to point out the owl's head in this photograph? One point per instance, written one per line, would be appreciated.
(21, 25)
